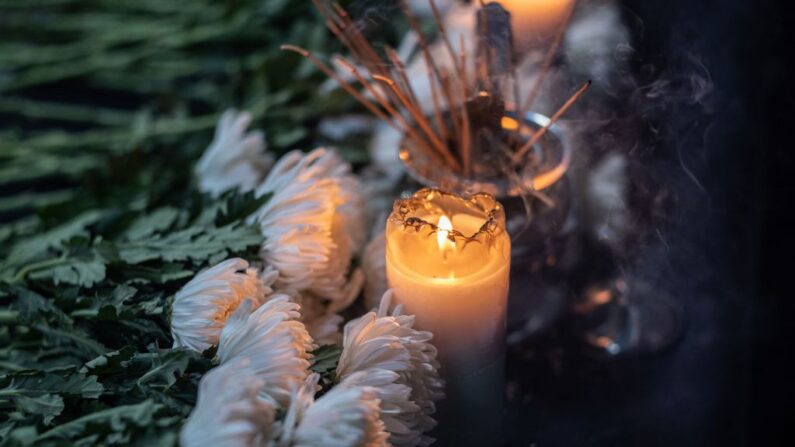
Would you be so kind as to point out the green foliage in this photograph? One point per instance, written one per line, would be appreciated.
(100, 220)
(104, 108)
(325, 359)
(109, 426)
(32, 391)
(324, 362)
(95, 87)
(87, 308)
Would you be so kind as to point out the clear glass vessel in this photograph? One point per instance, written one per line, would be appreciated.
(537, 200)
(536, 195)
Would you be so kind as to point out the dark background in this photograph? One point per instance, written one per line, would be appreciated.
(725, 253)
(747, 173)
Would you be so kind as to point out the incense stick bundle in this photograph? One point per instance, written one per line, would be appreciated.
(463, 131)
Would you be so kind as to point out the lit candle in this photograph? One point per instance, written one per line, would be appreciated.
(535, 22)
(448, 261)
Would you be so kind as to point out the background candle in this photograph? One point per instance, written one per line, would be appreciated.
(448, 261)
(535, 22)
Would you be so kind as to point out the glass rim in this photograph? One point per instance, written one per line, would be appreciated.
(499, 187)
(485, 204)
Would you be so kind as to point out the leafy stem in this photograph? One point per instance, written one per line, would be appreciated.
(8, 316)
(47, 263)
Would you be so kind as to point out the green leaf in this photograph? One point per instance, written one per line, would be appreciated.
(239, 206)
(25, 435)
(34, 308)
(290, 137)
(160, 274)
(195, 244)
(46, 405)
(155, 222)
(101, 195)
(78, 272)
(71, 336)
(325, 359)
(156, 305)
(110, 363)
(109, 306)
(5, 429)
(115, 419)
(37, 245)
(35, 383)
(40, 394)
(167, 367)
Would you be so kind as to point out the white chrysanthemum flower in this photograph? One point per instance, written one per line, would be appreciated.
(386, 352)
(312, 224)
(228, 412)
(203, 305)
(325, 328)
(369, 343)
(235, 158)
(396, 404)
(427, 387)
(321, 322)
(275, 342)
(343, 417)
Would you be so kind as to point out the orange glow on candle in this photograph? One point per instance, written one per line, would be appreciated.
(460, 296)
(534, 22)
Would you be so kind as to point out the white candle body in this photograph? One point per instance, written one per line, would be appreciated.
(460, 294)
(466, 315)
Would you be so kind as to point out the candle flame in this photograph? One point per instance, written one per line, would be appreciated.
(443, 232)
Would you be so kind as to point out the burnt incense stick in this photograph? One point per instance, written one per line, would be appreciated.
(352, 91)
(437, 109)
(325, 12)
(415, 27)
(445, 38)
(466, 131)
(382, 101)
(466, 142)
(519, 155)
(401, 74)
(463, 71)
(460, 125)
(404, 126)
(330, 73)
(421, 121)
(352, 38)
(454, 108)
(460, 65)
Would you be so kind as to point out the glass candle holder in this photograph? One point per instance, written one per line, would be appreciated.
(537, 200)
(448, 260)
(536, 195)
